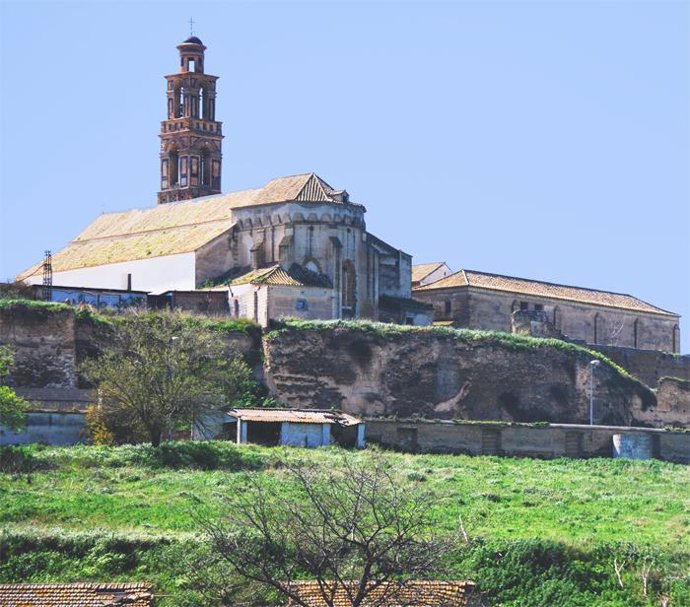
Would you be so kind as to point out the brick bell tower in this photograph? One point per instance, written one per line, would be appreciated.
(191, 138)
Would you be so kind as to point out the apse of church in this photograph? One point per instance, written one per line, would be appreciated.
(191, 137)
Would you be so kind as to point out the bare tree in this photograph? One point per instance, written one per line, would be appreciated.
(354, 530)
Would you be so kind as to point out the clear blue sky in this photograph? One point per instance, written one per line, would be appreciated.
(548, 140)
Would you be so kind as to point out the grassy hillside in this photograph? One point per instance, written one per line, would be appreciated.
(542, 532)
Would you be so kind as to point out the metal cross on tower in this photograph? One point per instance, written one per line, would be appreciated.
(191, 26)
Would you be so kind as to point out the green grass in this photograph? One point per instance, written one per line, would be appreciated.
(137, 504)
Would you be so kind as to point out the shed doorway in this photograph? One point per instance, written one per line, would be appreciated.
(264, 433)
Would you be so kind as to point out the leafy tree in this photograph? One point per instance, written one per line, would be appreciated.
(158, 373)
(354, 530)
(12, 407)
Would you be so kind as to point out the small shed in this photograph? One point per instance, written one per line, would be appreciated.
(295, 427)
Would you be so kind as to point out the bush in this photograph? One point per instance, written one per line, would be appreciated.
(201, 455)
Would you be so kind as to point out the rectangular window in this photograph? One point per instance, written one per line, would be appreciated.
(539, 307)
(183, 171)
(446, 306)
(216, 174)
(524, 306)
(164, 174)
(194, 177)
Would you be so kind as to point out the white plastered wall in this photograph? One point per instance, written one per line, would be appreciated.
(155, 275)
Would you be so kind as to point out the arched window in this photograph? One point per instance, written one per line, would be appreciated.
(313, 266)
(675, 348)
(171, 107)
(202, 103)
(181, 103)
(557, 318)
(348, 286)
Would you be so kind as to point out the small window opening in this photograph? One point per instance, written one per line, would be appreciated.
(524, 306)
(191, 66)
(447, 306)
(539, 307)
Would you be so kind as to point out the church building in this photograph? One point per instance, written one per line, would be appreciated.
(294, 247)
(494, 302)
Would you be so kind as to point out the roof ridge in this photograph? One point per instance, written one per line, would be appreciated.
(556, 284)
(313, 177)
(152, 230)
(177, 203)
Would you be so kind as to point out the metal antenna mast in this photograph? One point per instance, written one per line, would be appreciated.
(191, 26)
(48, 276)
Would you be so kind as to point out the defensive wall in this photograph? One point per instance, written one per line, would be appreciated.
(387, 370)
(543, 441)
(379, 370)
(649, 366)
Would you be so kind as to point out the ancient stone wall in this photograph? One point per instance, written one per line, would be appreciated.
(379, 372)
(50, 344)
(43, 340)
(372, 369)
(648, 365)
(673, 404)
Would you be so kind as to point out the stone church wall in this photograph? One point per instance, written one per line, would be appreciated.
(213, 259)
(491, 310)
(307, 303)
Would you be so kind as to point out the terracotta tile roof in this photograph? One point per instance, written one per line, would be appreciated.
(296, 276)
(179, 227)
(414, 593)
(524, 286)
(308, 187)
(76, 595)
(422, 270)
(297, 416)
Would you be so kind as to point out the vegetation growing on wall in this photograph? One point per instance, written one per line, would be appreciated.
(471, 337)
(12, 407)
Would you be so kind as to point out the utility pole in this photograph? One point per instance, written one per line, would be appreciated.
(592, 365)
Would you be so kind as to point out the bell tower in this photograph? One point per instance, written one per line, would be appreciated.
(191, 138)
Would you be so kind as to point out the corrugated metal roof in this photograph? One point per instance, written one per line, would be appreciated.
(76, 595)
(413, 593)
(524, 286)
(297, 416)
